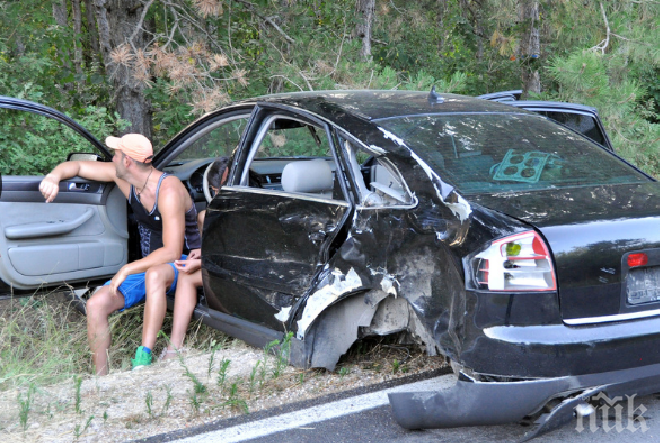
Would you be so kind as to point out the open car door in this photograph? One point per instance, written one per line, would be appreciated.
(78, 239)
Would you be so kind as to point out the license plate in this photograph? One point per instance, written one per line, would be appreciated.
(643, 285)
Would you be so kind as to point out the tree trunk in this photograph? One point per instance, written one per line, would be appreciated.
(77, 27)
(61, 16)
(530, 48)
(60, 13)
(119, 23)
(365, 18)
(474, 9)
(92, 31)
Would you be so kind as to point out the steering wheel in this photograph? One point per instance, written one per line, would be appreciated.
(206, 186)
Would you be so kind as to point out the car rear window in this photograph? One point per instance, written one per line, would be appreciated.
(508, 152)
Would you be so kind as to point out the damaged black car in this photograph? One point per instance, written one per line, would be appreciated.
(521, 250)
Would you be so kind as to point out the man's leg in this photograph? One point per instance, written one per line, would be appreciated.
(184, 304)
(158, 280)
(99, 307)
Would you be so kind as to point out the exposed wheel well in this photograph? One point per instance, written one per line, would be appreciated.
(369, 314)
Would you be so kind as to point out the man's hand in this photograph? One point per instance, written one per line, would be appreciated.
(195, 253)
(118, 279)
(189, 265)
(49, 187)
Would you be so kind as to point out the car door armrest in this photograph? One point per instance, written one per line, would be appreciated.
(47, 228)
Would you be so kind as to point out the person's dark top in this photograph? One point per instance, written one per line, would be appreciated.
(150, 224)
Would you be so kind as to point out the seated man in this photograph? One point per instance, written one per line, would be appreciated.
(167, 222)
(190, 272)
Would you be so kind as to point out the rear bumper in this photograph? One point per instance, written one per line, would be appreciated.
(568, 363)
(471, 403)
(558, 350)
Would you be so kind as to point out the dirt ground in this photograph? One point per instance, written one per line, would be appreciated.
(188, 392)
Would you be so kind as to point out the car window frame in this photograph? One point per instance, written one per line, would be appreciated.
(359, 199)
(183, 139)
(263, 116)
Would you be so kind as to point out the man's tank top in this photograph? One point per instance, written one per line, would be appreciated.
(150, 224)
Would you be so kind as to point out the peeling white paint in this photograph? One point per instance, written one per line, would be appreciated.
(394, 138)
(461, 208)
(324, 297)
(387, 285)
(388, 282)
(377, 149)
(283, 315)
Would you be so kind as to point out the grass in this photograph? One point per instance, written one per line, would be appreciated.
(43, 340)
(24, 406)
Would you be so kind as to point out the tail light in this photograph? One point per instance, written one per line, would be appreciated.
(520, 262)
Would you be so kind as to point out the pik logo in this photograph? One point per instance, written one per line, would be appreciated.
(611, 412)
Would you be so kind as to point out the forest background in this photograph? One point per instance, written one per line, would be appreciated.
(152, 66)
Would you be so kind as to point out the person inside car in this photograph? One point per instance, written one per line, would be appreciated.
(167, 222)
(190, 272)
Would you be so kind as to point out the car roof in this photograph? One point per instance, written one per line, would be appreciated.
(357, 110)
(374, 104)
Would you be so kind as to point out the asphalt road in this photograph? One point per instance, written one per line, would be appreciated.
(366, 417)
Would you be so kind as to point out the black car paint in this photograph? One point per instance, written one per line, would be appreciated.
(590, 230)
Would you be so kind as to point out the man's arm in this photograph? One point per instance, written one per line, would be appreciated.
(173, 202)
(98, 171)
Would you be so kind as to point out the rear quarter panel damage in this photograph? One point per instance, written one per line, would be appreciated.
(392, 255)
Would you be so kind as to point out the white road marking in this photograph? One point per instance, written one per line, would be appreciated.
(327, 411)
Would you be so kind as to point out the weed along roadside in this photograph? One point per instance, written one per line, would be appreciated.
(47, 392)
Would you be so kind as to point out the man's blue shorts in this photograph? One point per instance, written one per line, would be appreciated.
(134, 288)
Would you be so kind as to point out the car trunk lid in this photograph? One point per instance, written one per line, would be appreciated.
(592, 231)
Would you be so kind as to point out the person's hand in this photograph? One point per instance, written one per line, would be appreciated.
(195, 253)
(188, 266)
(117, 280)
(49, 187)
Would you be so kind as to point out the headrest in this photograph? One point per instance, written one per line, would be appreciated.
(307, 176)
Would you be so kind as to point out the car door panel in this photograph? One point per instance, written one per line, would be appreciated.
(80, 236)
(281, 238)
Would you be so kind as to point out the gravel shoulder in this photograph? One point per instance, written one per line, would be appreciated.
(187, 392)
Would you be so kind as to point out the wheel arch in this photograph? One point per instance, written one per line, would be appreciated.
(358, 315)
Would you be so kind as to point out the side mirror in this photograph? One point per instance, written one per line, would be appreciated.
(83, 157)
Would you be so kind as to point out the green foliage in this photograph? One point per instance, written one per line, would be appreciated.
(24, 405)
(31, 144)
(148, 402)
(222, 374)
(619, 77)
(77, 382)
(609, 59)
(199, 388)
(77, 431)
